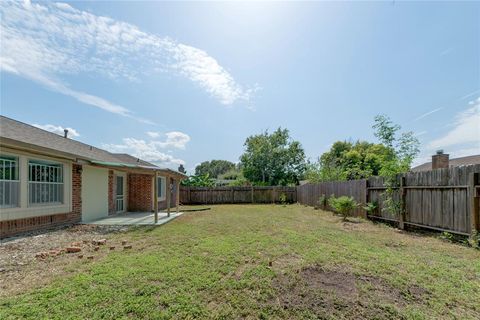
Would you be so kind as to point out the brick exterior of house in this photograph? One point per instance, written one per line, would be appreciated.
(140, 192)
(15, 227)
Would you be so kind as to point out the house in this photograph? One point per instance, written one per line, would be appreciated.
(442, 160)
(49, 180)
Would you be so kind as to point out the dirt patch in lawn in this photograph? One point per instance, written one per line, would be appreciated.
(286, 262)
(338, 293)
(36, 258)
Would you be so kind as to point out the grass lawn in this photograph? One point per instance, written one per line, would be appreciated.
(263, 261)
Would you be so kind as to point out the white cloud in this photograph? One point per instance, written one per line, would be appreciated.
(58, 129)
(421, 133)
(152, 150)
(175, 139)
(148, 151)
(427, 114)
(468, 95)
(153, 134)
(446, 51)
(45, 41)
(465, 129)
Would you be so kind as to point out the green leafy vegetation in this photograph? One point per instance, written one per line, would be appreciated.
(349, 161)
(370, 207)
(261, 261)
(404, 147)
(273, 159)
(343, 205)
(214, 168)
(322, 202)
(199, 181)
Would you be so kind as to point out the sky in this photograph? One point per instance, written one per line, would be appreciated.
(184, 82)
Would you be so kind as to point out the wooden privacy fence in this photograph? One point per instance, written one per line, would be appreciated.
(222, 195)
(309, 194)
(442, 199)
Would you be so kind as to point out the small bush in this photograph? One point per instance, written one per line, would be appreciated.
(283, 198)
(371, 207)
(343, 205)
(447, 236)
(322, 202)
(474, 240)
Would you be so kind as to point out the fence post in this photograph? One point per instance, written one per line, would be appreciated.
(403, 197)
(233, 194)
(273, 194)
(252, 193)
(473, 203)
(366, 198)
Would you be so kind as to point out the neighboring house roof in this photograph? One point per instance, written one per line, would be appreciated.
(463, 161)
(29, 136)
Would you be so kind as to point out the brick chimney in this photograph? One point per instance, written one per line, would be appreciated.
(440, 160)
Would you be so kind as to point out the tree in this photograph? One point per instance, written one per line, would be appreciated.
(349, 161)
(181, 169)
(199, 181)
(214, 168)
(273, 159)
(404, 148)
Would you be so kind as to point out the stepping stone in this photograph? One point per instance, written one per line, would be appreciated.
(73, 249)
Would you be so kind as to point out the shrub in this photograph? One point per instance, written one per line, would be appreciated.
(343, 205)
(283, 198)
(322, 202)
(371, 207)
(199, 181)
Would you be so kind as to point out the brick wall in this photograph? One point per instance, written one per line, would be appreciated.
(440, 161)
(111, 192)
(140, 192)
(15, 227)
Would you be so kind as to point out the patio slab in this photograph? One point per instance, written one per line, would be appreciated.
(135, 218)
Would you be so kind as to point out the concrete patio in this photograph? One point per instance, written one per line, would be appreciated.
(135, 218)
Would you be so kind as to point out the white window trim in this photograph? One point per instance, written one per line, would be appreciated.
(25, 211)
(163, 195)
(16, 159)
(62, 183)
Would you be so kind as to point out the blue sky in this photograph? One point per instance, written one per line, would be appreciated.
(188, 82)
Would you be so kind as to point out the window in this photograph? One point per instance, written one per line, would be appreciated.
(161, 188)
(9, 184)
(45, 183)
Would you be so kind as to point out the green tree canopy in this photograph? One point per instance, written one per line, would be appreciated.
(348, 161)
(273, 159)
(214, 168)
(199, 181)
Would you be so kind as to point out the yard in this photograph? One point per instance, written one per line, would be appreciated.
(255, 261)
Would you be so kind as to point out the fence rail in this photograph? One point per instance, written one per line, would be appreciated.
(222, 195)
(309, 194)
(442, 199)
